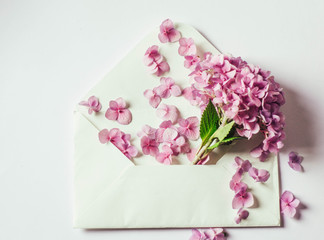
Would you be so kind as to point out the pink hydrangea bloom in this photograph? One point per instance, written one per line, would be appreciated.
(246, 94)
(258, 152)
(295, 161)
(169, 135)
(168, 112)
(288, 204)
(153, 97)
(168, 88)
(149, 146)
(241, 165)
(236, 184)
(259, 175)
(118, 111)
(191, 62)
(165, 156)
(180, 145)
(241, 215)
(189, 127)
(93, 104)
(120, 139)
(159, 68)
(208, 234)
(154, 61)
(152, 55)
(128, 150)
(168, 33)
(242, 199)
(114, 136)
(147, 131)
(160, 131)
(187, 47)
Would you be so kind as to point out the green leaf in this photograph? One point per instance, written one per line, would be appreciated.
(222, 132)
(209, 122)
(226, 140)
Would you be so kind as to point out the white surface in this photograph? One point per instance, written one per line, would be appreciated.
(53, 52)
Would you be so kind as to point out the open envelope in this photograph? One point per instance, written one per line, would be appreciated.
(112, 191)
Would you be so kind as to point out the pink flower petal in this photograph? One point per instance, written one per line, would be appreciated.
(295, 161)
(111, 114)
(104, 136)
(288, 204)
(124, 117)
(168, 33)
(168, 112)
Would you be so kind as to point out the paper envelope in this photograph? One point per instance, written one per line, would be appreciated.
(112, 191)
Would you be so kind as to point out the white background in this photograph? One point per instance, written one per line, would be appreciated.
(52, 52)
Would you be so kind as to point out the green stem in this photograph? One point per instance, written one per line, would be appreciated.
(203, 149)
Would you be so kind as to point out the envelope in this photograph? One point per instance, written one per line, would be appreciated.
(112, 191)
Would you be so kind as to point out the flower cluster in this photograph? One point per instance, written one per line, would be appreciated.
(92, 104)
(243, 198)
(154, 61)
(120, 140)
(173, 140)
(209, 234)
(166, 89)
(242, 92)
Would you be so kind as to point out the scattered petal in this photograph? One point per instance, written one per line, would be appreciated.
(153, 97)
(288, 204)
(189, 127)
(117, 111)
(93, 104)
(259, 175)
(165, 156)
(168, 33)
(149, 146)
(168, 112)
(242, 199)
(241, 215)
(187, 47)
(295, 161)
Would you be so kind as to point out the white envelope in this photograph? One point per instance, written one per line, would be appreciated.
(113, 192)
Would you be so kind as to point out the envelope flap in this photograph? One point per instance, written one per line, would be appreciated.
(95, 165)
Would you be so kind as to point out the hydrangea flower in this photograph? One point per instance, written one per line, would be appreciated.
(168, 88)
(288, 204)
(246, 94)
(208, 234)
(187, 47)
(165, 156)
(168, 112)
(241, 215)
(149, 146)
(242, 199)
(295, 161)
(236, 184)
(118, 111)
(168, 33)
(241, 165)
(120, 139)
(191, 62)
(93, 104)
(259, 175)
(154, 61)
(153, 97)
(147, 131)
(189, 127)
